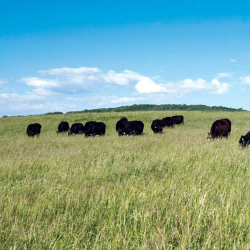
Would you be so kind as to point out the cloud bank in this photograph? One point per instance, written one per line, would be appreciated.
(80, 79)
(64, 88)
(245, 80)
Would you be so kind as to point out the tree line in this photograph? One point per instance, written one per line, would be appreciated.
(153, 107)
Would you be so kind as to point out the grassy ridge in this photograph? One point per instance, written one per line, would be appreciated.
(175, 190)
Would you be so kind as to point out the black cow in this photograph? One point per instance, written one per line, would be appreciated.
(120, 125)
(63, 127)
(167, 122)
(137, 127)
(76, 128)
(34, 129)
(220, 128)
(157, 126)
(94, 128)
(132, 128)
(245, 140)
(178, 119)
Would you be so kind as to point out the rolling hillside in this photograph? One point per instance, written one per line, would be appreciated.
(176, 190)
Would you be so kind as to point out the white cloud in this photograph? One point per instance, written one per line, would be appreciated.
(245, 80)
(147, 86)
(3, 81)
(75, 80)
(126, 99)
(19, 103)
(224, 75)
(233, 60)
(109, 100)
(42, 92)
(38, 82)
(18, 98)
(85, 75)
(99, 101)
(72, 78)
(30, 104)
(220, 88)
(119, 78)
(191, 85)
(70, 71)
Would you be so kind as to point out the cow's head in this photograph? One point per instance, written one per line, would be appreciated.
(158, 129)
(242, 141)
(31, 133)
(209, 137)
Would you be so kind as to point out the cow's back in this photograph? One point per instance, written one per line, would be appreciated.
(63, 127)
(137, 127)
(77, 128)
(34, 129)
(220, 128)
(178, 119)
(167, 121)
(100, 128)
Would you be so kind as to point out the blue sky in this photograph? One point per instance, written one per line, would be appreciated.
(75, 55)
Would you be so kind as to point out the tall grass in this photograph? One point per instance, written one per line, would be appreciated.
(176, 190)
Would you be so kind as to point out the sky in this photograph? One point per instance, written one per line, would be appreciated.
(75, 55)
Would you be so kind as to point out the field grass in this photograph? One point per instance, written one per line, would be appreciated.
(176, 190)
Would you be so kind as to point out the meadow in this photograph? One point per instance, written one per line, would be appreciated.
(175, 190)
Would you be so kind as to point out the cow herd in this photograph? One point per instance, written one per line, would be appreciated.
(158, 125)
(219, 129)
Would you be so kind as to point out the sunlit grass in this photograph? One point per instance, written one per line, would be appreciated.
(174, 190)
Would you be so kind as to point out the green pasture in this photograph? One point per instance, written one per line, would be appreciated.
(175, 190)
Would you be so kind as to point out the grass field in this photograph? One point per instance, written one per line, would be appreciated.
(176, 190)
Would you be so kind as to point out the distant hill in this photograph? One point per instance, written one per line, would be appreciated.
(164, 107)
(146, 107)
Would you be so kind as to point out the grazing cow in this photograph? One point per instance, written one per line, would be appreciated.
(119, 124)
(63, 127)
(245, 140)
(157, 126)
(76, 128)
(167, 122)
(220, 128)
(94, 128)
(178, 119)
(137, 127)
(132, 128)
(34, 129)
